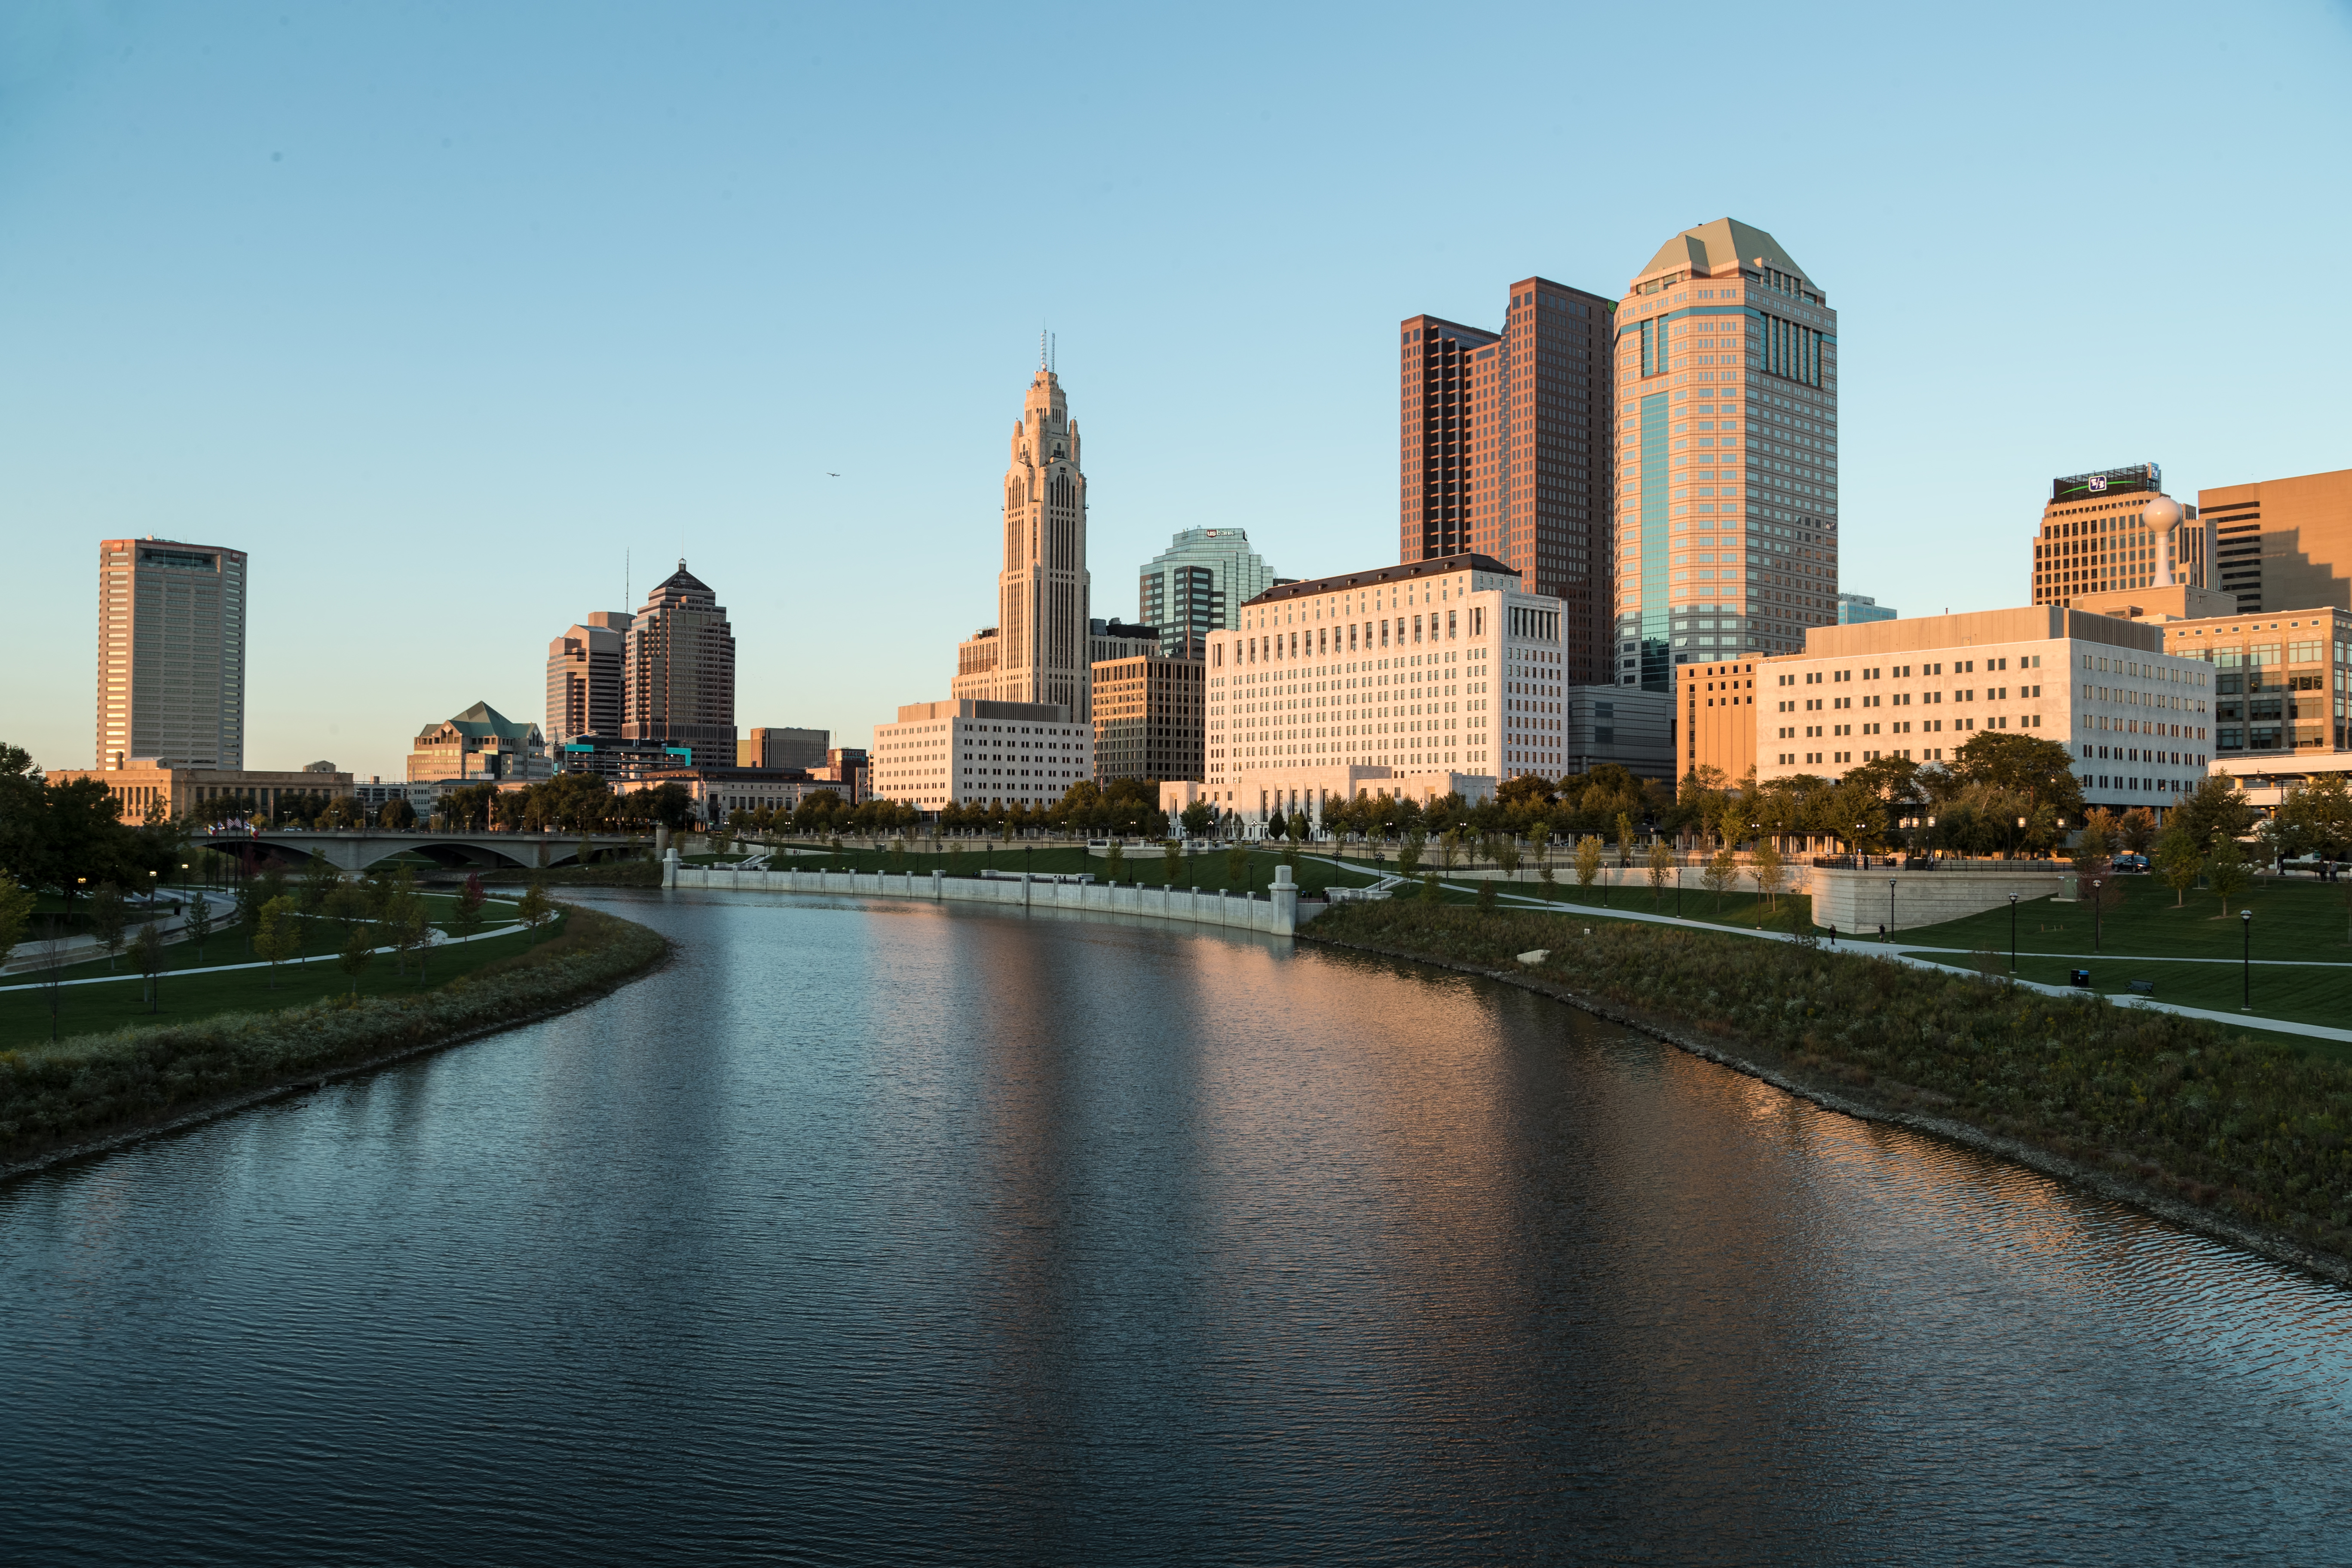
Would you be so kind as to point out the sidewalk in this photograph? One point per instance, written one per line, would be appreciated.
(440, 939)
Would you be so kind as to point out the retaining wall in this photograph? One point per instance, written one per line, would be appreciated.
(1857, 900)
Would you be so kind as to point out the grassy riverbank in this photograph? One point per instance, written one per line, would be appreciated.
(96, 1085)
(2249, 1131)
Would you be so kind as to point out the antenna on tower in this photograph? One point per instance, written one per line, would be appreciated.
(625, 579)
(1055, 351)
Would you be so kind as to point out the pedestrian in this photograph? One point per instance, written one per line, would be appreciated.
(1832, 934)
(1882, 931)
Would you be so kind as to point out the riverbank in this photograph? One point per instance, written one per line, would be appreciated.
(2241, 1140)
(93, 1092)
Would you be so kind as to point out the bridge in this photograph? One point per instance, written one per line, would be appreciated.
(356, 850)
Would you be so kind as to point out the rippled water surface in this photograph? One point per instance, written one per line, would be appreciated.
(892, 1235)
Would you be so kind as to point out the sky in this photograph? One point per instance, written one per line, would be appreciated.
(461, 319)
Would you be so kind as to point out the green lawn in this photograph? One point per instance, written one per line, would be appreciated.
(189, 993)
(2299, 920)
(2306, 995)
(227, 943)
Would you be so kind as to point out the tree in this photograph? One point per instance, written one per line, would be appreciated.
(199, 923)
(2214, 810)
(1550, 881)
(1171, 860)
(1409, 852)
(468, 916)
(1114, 862)
(1720, 873)
(1507, 855)
(2094, 871)
(2319, 815)
(2040, 771)
(52, 956)
(1198, 818)
(16, 914)
(148, 951)
(280, 935)
(2226, 873)
(397, 815)
(359, 952)
(2138, 829)
(2180, 861)
(1624, 838)
(1769, 872)
(349, 905)
(405, 930)
(1236, 867)
(1588, 863)
(108, 919)
(536, 908)
(1662, 866)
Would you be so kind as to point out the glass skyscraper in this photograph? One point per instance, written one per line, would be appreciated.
(1198, 582)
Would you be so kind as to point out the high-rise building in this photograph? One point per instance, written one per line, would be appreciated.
(585, 682)
(773, 748)
(1504, 448)
(1196, 582)
(2114, 529)
(171, 654)
(1036, 652)
(1855, 608)
(1149, 716)
(2282, 543)
(1726, 455)
(679, 673)
(970, 751)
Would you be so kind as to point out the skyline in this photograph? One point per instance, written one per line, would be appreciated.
(434, 319)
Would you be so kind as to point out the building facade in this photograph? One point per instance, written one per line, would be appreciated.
(1726, 456)
(1036, 652)
(969, 751)
(151, 790)
(1443, 664)
(2137, 720)
(585, 682)
(2282, 686)
(1198, 582)
(1717, 710)
(2280, 543)
(2115, 530)
(1852, 609)
(773, 748)
(1314, 790)
(1503, 442)
(680, 672)
(479, 745)
(171, 654)
(1149, 718)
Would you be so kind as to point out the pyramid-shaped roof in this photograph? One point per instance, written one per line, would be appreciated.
(1714, 246)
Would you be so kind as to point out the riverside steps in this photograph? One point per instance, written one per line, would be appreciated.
(1279, 913)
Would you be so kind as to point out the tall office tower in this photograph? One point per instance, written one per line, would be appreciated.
(1503, 445)
(678, 673)
(1726, 455)
(584, 684)
(171, 654)
(1197, 583)
(1036, 652)
(2114, 529)
(2283, 544)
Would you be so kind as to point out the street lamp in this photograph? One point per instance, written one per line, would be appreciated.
(2095, 914)
(2012, 933)
(2246, 925)
(1890, 905)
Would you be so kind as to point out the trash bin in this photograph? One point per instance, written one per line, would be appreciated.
(2081, 978)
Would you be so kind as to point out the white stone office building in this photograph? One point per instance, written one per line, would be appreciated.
(171, 654)
(2137, 718)
(1443, 664)
(1315, 791)
(972, 752)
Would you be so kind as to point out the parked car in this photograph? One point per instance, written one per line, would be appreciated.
(2131, 865)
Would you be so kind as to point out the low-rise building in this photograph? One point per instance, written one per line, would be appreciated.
(478, 745)
(719, 793)
(2281, 693)
(849, 770)
(150, 789)
(1149, 717)
(969, 751)
(1716, 706)
(1445, 663)
(773, 748)
(1315, 790)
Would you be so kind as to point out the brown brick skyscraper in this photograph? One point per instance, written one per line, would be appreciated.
(1502, 446)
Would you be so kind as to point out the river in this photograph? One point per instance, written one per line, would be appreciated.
(894, 1234)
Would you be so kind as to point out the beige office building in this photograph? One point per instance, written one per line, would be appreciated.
(1149, 718)
(966, 750)
(2282, 543)
(153, 792)
(1315, 789)
(585, 680)
(679, 672)
(480, 745)
(171, 654)
(2114, 530)
(1441, 665)
(2138, 719)
(1727, 446)
(1036, 652)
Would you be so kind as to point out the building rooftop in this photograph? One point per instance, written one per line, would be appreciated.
(1440, 566)
(1717, 247)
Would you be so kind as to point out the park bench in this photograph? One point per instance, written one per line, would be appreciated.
(2143, 988)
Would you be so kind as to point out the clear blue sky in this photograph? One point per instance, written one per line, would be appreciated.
(439, 309)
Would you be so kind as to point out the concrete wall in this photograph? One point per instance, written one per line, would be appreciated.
(1857, 900)
(1278, 914)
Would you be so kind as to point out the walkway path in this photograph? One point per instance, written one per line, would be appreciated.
(441, 939)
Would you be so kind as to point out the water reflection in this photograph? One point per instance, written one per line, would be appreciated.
(903, 1235)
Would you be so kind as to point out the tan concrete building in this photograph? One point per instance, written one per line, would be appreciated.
(479, 745)
(1151, 716)
(171, 654)
(2177, 602)
(1036, 652)
(2281, 542)
(2114, 530)
(1447, 664)
(152, 791)
(970, 751)
(1727, 451)
(2138, 719)
(1717, 710)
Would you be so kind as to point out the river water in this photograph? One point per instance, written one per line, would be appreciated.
(894, 1234)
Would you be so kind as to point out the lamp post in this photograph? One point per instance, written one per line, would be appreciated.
(1890, 906)
(2246, 925)
(2012, 933)
(2095, 914)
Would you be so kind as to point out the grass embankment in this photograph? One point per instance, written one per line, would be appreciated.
(2303, 920)
(2174, 1109)
(1145, 863)
(96, 1085)
(639, 873)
